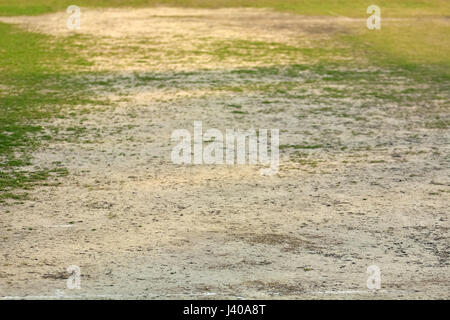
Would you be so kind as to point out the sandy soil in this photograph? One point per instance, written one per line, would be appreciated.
(140, 226)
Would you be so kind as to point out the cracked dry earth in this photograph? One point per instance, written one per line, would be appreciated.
(373, 192)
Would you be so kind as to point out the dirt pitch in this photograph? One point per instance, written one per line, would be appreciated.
(142, 227)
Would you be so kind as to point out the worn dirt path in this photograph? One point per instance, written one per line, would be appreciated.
(140, 226)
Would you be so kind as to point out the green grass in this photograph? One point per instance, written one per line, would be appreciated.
(36, 83)
(417, 47)
(20, 179)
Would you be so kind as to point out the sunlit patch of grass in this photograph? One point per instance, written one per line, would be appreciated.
(417, 47)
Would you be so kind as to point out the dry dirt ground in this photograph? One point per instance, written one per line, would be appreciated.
(142, 227)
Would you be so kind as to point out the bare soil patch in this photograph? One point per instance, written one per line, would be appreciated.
(140, 226)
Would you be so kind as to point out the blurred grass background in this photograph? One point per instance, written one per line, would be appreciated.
(350, 8)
